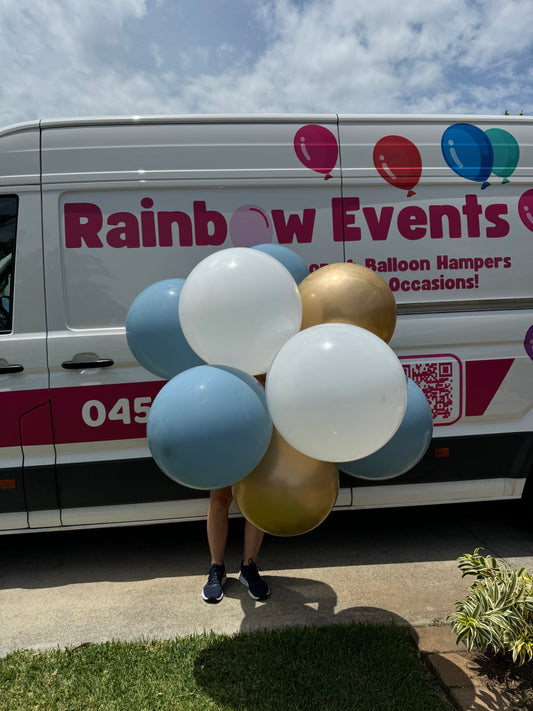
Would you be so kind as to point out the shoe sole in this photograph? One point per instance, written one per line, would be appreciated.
(215, 600)
(243, 580)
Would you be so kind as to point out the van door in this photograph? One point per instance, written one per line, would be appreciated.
(457, 253)
(27, 479)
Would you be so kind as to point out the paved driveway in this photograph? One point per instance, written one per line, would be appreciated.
(66, 588)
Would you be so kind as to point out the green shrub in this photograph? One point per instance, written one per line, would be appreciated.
(497, 614)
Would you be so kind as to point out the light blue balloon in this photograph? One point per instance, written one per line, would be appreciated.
(153, 330)
(209, 427)
(407, 446)
(290, 260)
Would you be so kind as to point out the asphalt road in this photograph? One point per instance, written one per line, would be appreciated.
(66, 588)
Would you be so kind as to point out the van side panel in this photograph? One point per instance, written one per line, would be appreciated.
(129, 206)
(440, 207)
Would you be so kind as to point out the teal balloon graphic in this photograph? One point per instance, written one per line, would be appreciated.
(506, 152)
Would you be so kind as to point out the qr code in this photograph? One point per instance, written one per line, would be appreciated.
(439, 378)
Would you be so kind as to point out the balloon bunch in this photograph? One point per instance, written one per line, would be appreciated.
(335, 392)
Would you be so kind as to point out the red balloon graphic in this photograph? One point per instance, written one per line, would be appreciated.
(398, 161)
(316, 147)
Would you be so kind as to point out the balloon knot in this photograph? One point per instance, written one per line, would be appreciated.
(411, 192)
(486, 184)
(505, 180)
(328, 176)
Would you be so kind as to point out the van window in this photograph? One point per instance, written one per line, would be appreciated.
(8, 229)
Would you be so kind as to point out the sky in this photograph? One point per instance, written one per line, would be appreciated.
(63, 58)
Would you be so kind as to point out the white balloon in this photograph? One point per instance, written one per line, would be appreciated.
(336, 392)
(238, 307)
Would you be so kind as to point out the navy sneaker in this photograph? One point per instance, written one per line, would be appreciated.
(212, 591)
(249, 576)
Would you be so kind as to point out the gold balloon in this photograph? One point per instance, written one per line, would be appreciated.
(288, 493)
(348, 293)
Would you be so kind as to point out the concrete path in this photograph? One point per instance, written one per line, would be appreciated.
(66, 588)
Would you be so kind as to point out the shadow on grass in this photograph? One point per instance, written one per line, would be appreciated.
(359, 666)
(304, 655)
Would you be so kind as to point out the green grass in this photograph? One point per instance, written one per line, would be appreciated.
(364, 667)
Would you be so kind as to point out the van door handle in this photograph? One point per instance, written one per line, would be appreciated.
(11, 368)
(79, 364)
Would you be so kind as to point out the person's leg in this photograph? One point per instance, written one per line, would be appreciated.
(217, 523)
(217, 535)
(253, 538)
(249, 575)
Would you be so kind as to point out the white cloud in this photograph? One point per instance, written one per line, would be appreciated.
(54, 54)
(88, 57)
(380, 57)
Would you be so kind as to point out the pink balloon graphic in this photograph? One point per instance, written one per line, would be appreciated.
(525, 209)
(528, 342)
(317, 148)
(250, 225)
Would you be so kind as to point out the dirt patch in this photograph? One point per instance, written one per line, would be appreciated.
(500, 675)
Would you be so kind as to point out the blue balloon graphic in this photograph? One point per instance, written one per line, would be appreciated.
(468, 152)
(154, 333)
(407, 446)
(290, 260)
(209, 427)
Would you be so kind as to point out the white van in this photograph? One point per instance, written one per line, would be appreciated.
(93, 211)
